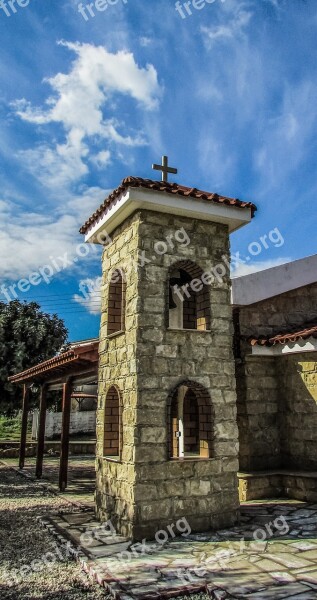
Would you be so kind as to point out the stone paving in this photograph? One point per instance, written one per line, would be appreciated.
(272, 554)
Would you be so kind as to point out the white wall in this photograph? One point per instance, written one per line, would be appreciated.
(259, 286)
(84, 422)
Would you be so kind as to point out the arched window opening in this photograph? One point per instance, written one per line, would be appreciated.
(116, 303)
(189, 303)
(190, 422)
(112, 425)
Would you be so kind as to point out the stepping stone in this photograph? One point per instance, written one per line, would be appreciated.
(281, 592)
(289, 560)
(304, 512)
(302, 545)
(76, 518)
(108, 550)
(310, 576)
(283, 577)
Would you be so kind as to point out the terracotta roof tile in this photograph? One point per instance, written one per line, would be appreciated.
(169, 188)
(77, 355)
(285, 338)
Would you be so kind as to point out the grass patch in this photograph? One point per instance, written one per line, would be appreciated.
(10, 429)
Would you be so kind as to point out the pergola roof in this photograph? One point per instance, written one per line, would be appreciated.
(82, 356)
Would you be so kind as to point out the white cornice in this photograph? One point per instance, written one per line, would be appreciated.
(309, 345)
(137, 198)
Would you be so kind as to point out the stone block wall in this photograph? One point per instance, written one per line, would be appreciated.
(146, 491)
(258, 405)
(280, 313)
(297, 376)
(117, 366)
(297, 485)
(277, 396)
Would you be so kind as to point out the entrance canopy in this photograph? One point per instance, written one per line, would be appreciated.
(77, 365)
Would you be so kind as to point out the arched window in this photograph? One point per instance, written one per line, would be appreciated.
(112, 425)
(189, 297)
(190, 422)
(116, 303)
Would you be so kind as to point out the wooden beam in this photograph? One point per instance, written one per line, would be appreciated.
(41, 433)
(63, 465)
(79, 377)
(24, 425)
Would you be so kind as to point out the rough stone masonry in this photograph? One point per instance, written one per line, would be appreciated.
(144, 489)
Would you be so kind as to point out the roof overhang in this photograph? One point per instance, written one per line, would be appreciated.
(139, 198)
(80, 360)
(308, 345)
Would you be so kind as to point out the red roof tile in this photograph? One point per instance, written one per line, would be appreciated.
(169, 188)
(83, 354)
(285, 338)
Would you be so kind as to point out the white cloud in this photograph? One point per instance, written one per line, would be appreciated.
(85, 202)
(249, 268)
(102, 159)
(89, 296)
(31, 240)
(145, 41)
(288, 136)
(56, 167)
(228, 31)
(78, 102)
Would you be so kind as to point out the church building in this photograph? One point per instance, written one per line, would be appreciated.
(207, 387)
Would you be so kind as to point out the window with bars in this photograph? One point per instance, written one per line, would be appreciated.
(112, 425)
(116, 303)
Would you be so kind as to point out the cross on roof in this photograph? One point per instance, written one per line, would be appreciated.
(164, 168)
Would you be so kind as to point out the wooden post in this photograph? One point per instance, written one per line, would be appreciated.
(24, 425)
(63, 465)
(41, 433)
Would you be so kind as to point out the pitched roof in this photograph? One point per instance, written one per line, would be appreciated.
(286, 338)
(82, 355)
(169, 188)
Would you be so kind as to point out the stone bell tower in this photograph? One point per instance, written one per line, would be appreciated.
(167, 438)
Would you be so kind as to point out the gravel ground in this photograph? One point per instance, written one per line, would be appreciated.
(23, 540)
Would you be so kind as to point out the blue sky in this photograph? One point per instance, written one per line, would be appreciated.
(228, 92)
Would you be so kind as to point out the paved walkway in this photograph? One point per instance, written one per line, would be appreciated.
(271, 555)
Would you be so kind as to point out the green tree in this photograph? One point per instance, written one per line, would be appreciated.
(28, 336)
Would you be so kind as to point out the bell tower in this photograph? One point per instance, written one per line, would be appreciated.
(167, 438)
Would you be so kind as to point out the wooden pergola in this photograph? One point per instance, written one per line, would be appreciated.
(76, 366)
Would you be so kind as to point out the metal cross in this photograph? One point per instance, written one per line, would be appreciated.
(164, 168)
